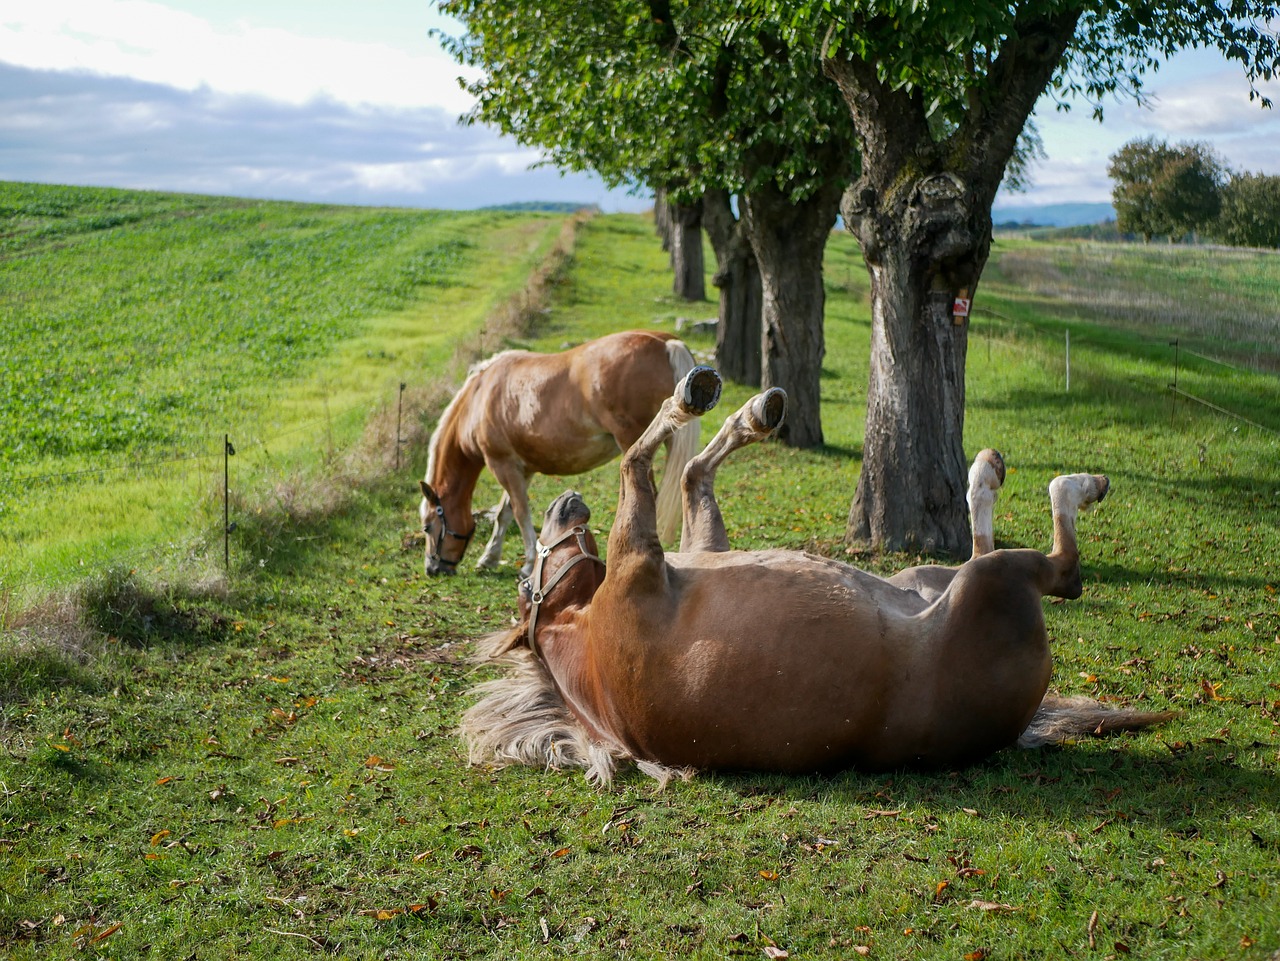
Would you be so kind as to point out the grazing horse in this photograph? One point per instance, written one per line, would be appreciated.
(775, 660)
(520, 413)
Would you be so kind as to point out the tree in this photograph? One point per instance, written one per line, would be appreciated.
(1167, 190)
(1250, 213)
(939, 94)
(693, 97)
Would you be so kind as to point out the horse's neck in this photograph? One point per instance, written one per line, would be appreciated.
(454, 471)
(575, 676)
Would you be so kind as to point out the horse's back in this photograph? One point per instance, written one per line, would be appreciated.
(571, 411)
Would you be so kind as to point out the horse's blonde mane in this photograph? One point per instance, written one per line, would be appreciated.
(450, 409)
(522, 719)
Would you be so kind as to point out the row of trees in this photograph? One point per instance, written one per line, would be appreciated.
(763, 119)
(1187, 190)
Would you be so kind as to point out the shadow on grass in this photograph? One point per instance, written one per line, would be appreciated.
(1179, 788)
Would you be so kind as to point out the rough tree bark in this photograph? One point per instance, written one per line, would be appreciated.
(738, 278)
(687, 264)
(788, 238)
(921, 210)
(662, 218)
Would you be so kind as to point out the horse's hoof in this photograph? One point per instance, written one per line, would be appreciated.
(769, 409)
(996, 460)
(701, 390)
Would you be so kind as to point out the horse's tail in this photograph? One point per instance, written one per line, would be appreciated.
(681, 447)
(1061, 719)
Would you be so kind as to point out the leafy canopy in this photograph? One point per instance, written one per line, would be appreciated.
(685, 95)
(945, 52)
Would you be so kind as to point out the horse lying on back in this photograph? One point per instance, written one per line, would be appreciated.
(520, 413)
(775, 660)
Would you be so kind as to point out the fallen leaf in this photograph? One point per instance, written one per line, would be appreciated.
(769, 875)
(881, 814)
(861, 949)
(771, 952)
(158, 837)
(560, 853)
(106, 933)
(990, 906)
(942, 886)
(978, 955)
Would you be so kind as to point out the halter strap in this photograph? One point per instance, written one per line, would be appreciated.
(537, 591)
(445, 529)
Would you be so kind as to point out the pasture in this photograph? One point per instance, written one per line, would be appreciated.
(263, 764)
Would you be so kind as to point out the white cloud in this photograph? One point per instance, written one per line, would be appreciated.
(151, 42)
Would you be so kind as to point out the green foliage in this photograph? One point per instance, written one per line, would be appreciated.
(292, 787)
(1250, 214)
(690, 96)
(1164, 190)
(951, 55)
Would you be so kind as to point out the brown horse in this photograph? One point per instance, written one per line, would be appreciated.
(777, 660)
(520, 413)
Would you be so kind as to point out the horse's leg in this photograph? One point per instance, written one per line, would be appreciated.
(635, 525)
(756, 420)
(1069, 493)
(515, 483)
(502, 515)
(985, 477)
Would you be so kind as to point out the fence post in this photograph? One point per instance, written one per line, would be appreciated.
(1068, 361)
(228, 452)
(1173, 388)
(399, 411)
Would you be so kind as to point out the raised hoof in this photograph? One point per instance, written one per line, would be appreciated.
(769, 409)
(995, 459)
(701, 390)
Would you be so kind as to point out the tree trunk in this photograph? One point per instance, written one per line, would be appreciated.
(738, 277)
(911, 491)
(687, 263)
(789, 240)
(662, 218)
(921, 210)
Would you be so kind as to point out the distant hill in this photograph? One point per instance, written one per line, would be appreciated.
(1053, 215)
(540, 206)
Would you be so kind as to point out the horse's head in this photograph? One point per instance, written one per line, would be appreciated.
(446, 541)
(560, 580)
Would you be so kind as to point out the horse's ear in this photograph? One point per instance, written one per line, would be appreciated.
(428, 493)
(500, 644)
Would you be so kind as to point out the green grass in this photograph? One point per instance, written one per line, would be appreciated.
(137, 329)
(267, 768)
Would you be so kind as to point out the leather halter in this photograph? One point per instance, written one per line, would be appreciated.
(537, 591)
(445, 530)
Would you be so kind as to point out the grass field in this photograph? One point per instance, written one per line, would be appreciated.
(264, 765)
(137, 330)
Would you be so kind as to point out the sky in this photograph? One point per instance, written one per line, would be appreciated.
(356, 102)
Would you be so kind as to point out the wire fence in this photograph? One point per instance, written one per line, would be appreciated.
(220, 453)
(1176, 352)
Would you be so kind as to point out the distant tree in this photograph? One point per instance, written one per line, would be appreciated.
(1250, 214)
(1163, 190)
